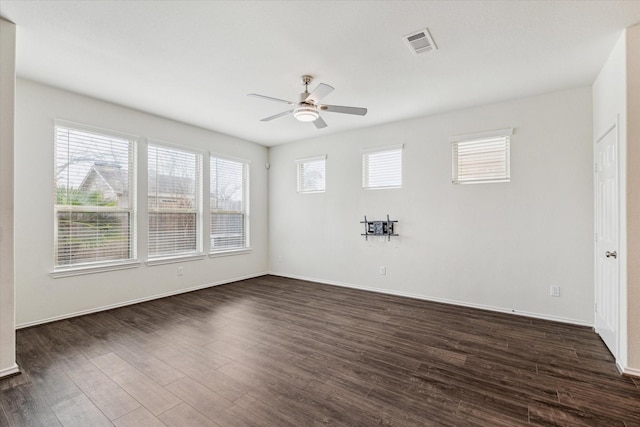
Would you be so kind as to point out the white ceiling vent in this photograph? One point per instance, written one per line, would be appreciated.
(420, 42)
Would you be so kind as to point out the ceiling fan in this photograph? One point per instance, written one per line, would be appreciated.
(308, 108)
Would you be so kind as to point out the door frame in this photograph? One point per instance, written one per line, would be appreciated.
(621, 260)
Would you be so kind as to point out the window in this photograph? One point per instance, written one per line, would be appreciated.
(94, 197)
(482, 157)
(173, 201)
(229, 204)
(382, 167)
(311, 174)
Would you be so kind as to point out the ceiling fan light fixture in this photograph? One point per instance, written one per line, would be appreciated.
(306, 114)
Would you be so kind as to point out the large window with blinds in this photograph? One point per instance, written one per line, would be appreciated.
(94, 197)
(229, 204)
(173, 199)
(481, 158)
(382, 167)
(311, 174)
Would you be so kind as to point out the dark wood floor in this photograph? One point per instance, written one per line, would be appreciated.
(279, 352)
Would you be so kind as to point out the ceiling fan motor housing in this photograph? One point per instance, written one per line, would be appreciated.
(306, 113)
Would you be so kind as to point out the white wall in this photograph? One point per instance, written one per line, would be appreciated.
(39, 297)
(7, 292)
(490, 245)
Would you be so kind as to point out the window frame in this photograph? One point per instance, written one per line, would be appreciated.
(500, 136)
(78, 268)
(246, 171)
(197, 253)
(366, 166)
(300, 168)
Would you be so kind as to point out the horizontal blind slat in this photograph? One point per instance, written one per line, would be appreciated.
(228, 207)
(173, 192)
(311, 176)
(93, 197)
(482, 160)
(382, 169)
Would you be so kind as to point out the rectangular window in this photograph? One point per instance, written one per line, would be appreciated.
(482, 157)
(311, 174)
(94, 197)
(229, 205)
(173, 201)
(382, 167)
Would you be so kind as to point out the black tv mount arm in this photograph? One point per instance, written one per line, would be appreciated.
(379, 228)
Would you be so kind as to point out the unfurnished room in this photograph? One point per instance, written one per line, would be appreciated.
(301, 213)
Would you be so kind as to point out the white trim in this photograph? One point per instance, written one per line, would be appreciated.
(226, 157)
(174, 146)
(629, 371)
(79, 271)
(481, 135)
(137, 300)
(382, 148)
(312, 159)
(606, 132)
(174, 259)
(91, 128)
(231, 252)
(11, 370)
(441, 300)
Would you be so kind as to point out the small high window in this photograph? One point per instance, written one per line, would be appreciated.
(311, 174)
(481, 158)
(382, 167)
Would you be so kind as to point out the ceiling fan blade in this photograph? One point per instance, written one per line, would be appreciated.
(319, 123)
(358, 111)
(268, 98)
(284, 113)
(318, 93)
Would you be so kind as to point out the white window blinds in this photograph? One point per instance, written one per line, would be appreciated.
(382, 167)
(311, 174)
(229, 207)
(173, 201)
(481, 158)
(94, 197)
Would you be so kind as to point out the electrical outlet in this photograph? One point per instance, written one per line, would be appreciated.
(554, 291)
(180, 271)
(383, 270)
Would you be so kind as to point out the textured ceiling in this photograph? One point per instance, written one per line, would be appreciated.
(195, 61)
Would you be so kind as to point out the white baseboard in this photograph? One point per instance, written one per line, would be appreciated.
(136, 301)
(441, 300)
(12, 370)
(629, 371)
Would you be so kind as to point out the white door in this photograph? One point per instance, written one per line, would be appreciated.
(607, 279)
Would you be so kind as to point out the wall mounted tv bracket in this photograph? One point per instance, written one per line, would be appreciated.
(378, 228)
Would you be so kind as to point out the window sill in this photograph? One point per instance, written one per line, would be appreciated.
(172, 260)
(230, 252)
(80, 271)
(391, 187)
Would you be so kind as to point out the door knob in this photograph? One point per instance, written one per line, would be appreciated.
(613, 254)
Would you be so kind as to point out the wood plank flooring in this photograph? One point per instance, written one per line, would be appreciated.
(272, 351)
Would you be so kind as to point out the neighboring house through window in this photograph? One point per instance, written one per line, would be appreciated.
(173, 201)
(94, 196)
